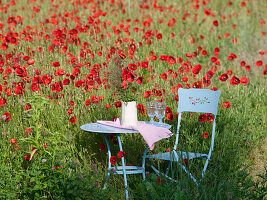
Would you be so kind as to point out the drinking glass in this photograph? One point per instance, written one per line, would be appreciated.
(151, 110)
(160, 111)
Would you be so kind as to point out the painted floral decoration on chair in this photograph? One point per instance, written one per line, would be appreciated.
(198, 100)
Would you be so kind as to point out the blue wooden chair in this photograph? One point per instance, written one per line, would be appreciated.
(190, 100)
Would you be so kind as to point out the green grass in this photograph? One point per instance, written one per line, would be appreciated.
(240, 129)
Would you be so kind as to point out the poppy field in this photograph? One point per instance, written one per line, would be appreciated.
(66, 63)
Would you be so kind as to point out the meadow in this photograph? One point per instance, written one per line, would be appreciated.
(68, 63)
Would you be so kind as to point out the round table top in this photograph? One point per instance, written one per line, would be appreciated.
(101, 128)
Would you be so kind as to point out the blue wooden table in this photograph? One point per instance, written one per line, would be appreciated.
(105, 129)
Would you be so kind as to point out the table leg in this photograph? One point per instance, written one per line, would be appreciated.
(123, 167)
(144, 162)
(109, 164)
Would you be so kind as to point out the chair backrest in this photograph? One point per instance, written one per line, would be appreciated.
(198, 100)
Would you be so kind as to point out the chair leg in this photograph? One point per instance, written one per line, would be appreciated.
(144, 163)
(204, 169)
(109, 164)
(158, 172)
(169, 166)
(183, 167)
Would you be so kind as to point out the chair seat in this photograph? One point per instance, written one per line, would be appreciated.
(170, 155)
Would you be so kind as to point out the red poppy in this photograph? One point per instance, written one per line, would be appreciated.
(215, 23)
(176, 98)
(28, 131)
(28, 107)
(130, 77)
(229, 72)
(168, 110)
(264, 72)
(184, 79)
(234, 80)
(45, 145)
(230, 58)
(71, 103)
(158, 180)
(27, 157)
(56, 64)
(244, 80)
(30, 62)
(139, 80)
(197, 84)
(164, 76)
(35, 87)
(102, 147)
(124, 74)
(226, 35)
(243, 4)
(262, 53)
(213, 59)
(205, 135)
(117, 104)
(179, 60)
(209, 74)
(108, 106)
(141, 108)
(59, 72)
(58, 86)
(70, 111)
(204, 52)
(247, 67)
(196, 69)
(159, 36)
(66, 81)
(210, 118)
(16, 147)
(21, 71)
(2, 101)
(46, 80)
(259, 63)
(242, 63)
(144, 64)
(171, 60)
(216, 50)
(113, 160)
(223, 77)
(199, 48)
(132, 67)
(73, 120)
(202, 117)
(174, 75)
(19, 90)
(185, 163)
(213, 89)
(206, 82)
(186, 85)
(147, 94)
(188, 55)
(158, 93)
(170, 116)
(78, 83)
(132, 47)
(121, 154)
(13, 141)
(6, 117)
(37, 72)
(226, 104)
(172, 35)
(34, 148)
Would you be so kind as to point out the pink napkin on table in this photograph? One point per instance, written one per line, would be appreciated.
(150, 133)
